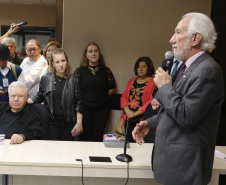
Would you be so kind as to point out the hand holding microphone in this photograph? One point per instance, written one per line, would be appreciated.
(161, 75)
(14, 28)
(20, 24)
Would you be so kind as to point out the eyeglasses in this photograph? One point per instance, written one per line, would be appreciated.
(32, 49)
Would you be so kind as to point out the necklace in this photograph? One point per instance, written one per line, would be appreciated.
(59, 78)
(93, 69)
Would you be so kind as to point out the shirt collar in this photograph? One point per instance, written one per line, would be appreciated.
(8, 65)
(174, 60)
(193, 58)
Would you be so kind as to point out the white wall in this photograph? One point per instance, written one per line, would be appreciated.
(125, 30)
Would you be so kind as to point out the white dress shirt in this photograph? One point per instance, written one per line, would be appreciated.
(32, 72)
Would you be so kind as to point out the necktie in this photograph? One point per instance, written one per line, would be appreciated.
(175, 68)
(180, 73)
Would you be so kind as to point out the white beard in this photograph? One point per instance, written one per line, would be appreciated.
(183, 52)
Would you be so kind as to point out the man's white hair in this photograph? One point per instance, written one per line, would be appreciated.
(18, 84)
(8, 39)
(200, 23)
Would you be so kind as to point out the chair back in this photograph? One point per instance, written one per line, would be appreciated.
(43, 114)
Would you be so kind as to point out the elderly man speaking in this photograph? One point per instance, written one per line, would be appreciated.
(186, 125)
(19, 121)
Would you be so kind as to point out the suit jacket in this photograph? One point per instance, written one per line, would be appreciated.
(149, 112)
(187, 124)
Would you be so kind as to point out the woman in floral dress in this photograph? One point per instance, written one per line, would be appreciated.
(138, 94)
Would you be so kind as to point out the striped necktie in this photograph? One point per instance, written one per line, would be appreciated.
(175, 68)
(180, 73)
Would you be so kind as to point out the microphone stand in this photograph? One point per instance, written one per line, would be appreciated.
(125, 157)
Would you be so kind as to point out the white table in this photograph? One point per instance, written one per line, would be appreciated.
(57, 158)
(39, 162)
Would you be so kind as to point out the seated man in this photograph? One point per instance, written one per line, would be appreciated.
(19, 121)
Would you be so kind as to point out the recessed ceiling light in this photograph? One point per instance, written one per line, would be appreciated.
(28, 3)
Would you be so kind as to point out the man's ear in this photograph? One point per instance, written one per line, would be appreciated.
(196, 39)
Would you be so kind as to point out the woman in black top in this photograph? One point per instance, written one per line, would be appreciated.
(97, 84)
(60, 91)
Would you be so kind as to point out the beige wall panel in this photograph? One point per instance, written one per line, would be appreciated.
(91, 21)
(35, 15)
(125, 31)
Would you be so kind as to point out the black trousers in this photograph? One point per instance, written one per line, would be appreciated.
(59, 130)
(94, 122)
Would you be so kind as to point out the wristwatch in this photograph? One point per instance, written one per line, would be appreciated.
(23, 137)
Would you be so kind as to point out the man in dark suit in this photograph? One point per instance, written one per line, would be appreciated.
(187, 123)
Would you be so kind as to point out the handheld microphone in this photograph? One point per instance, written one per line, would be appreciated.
(19, 24)
(165, 65)
(168, 57)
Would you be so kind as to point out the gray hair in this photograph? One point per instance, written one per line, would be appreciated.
(200, 23)
(8, 39)
(18, 84)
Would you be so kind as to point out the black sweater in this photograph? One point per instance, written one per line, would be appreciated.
(26, 122)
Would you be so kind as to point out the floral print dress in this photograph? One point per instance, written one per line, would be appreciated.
(135, 100)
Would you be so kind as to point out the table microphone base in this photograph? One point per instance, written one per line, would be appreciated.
(124, 158)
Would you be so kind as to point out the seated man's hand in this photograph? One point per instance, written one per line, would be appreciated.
(1, 91)
(140, 131)
(16, 139)
(155, 104)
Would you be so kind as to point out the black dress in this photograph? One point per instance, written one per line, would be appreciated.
(95, 83)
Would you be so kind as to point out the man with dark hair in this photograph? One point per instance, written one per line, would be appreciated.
(187, 123)
(8, 72)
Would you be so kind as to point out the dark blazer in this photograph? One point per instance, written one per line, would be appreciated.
(149, 112)
(186, 125)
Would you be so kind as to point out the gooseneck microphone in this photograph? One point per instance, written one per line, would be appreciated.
(19, 24)
(168, 57)
(125, 157)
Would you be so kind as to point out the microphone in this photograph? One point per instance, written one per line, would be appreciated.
(19, 24)
(165, 65)
(125, 157)
(168, 57)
